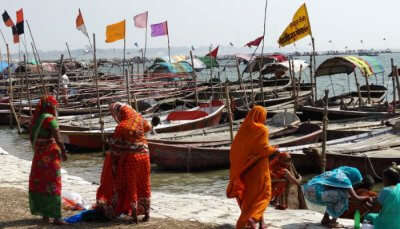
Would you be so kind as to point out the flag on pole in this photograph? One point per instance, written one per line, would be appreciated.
(15, 34)
(213, 53)
(141, 20)
(159, 29)
(115, 32)
(255, 42)
(7, 20)
(80, 24)
(297, 29)
(20, 21)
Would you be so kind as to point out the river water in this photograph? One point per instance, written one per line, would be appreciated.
(88, 165)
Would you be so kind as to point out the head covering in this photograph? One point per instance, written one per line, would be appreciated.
(250, 145)
(47, 104)
(341, 177)
(121, 111)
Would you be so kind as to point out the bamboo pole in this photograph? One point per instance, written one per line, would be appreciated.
(96, 77)
(136, 103)
(228, 108)
(27, 86)
(312, 82)
(12, 109)
(69, 52)
(324, 132)
(59, 76)
(39, 69)
(242, 87)
(196, 93)
(314, 68)
(360, 101)
(368, 89)
(396, 75)
(127, 88)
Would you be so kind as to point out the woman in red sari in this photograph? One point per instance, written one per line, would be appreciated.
(45, 176)
(125, 179)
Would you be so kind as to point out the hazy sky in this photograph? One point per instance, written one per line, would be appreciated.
(205, 22)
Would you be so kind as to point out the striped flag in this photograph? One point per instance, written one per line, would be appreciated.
(20, 21)
(80, 24)
(7, 20)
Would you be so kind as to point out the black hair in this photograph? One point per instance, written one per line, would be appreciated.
(392, 175)
(367, 183)
(155, 121)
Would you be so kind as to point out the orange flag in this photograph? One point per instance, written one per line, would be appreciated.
(115, 32)
(80, 24)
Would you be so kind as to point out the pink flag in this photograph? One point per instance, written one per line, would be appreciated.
(141, 20)
(159, 29)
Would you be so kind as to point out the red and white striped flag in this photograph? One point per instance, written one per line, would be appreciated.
(80, 24)
(141, 20)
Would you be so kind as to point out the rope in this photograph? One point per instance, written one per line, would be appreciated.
(368, 161)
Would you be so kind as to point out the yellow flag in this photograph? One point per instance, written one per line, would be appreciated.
(115, 32)
(297, 29)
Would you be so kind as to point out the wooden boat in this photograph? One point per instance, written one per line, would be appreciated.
(209, 156)
(335, 113)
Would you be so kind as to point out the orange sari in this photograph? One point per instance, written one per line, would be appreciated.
(277, 167)
(125, 179)
(250, 181)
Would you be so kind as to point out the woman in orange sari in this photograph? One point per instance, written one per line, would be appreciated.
(250, 181)
(125, 179)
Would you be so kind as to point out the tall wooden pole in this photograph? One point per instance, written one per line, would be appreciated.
(228, 108)
(169, 48)
(60, 76)
(324, 132)
(196, 94)
(396, 75)
(27, 85)
(96, 80)
(312, 82)
(145, 46)
(368, 89)
(69, 52)
(12, 109)
(360, 102)
(127, 88)
(314, 68)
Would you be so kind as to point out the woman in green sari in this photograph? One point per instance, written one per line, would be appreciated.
(45, 176)
(389, 199)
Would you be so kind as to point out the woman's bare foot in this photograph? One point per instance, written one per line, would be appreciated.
(59, 222)
(46, 219)
(262, 224)
(146, 218)
(252, 224)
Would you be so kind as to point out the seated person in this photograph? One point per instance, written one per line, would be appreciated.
(362, 189)
(389, 200)
(281, 176)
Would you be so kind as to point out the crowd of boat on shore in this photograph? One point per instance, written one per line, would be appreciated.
(195, 121)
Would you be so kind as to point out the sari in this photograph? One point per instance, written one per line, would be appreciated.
(331, 188)
(355, 205)
(278, 166)
(125, 178)
(45, 176)
(388, 217)
(250, 181)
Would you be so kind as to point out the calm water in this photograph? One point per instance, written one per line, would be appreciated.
(214, 183)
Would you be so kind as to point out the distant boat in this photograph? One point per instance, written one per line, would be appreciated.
(368, 53)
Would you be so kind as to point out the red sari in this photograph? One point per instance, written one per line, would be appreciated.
(45, 176)
(278, 174)
(125, 179)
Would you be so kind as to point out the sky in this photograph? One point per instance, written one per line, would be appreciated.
(205, 22)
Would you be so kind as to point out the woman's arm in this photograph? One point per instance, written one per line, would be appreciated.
(56, 134)
(291, 178)
(354, 195)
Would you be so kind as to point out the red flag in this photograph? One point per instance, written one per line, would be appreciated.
(256, 42)
(80, 24)
(213, 53)
(20, 21)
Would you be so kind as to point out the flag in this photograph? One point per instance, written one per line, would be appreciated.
(20, 21)
(297, 29)
(141, 20)
(255, 42)
(159, 29)
(213, 53)
(115, 32)
(80, 24)
(15, 34)
(7, 20)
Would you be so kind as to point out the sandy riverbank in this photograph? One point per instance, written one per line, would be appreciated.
(187, 208)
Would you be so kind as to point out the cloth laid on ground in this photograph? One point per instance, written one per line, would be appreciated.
(87, 216)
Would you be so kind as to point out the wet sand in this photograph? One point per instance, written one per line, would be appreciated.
(180, 208)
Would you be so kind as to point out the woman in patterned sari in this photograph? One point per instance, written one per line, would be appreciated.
(125, 179)
(45, 176)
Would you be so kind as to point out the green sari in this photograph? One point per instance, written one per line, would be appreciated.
(389, 216)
